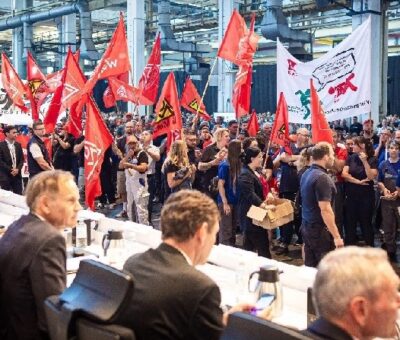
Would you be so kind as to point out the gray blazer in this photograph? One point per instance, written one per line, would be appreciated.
(32, 267)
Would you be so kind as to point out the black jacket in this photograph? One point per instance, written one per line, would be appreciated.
(6, 161)
(250, 193)
(323, 329)
(172, 299)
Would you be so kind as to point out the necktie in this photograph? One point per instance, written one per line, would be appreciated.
(13, 157)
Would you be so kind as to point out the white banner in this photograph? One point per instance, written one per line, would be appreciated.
(342, 78)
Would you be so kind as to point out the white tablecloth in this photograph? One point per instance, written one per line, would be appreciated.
(139, 238)
(224, 264)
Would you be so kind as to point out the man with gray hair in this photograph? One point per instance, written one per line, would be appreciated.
(33, 255)
(356, 296)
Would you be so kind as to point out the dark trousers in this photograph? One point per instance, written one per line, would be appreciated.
(228, 225)
(151, 182)
(359, 209)
(390, 215)
(339, 207)
(13, 183)
(317, 242)
(107, 187)
(256, 238)
(288, 229)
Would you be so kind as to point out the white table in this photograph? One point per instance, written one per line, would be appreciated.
(139, 238)
(223, 267)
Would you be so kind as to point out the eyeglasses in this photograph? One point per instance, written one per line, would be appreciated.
(42, 128)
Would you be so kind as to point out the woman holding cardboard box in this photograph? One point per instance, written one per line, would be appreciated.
(251, 193)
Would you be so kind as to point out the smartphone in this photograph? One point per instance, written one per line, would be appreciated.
(265, 301)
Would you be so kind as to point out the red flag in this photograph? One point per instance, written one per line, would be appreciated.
(150, 79)
(235, 31)
(13, 85)
(74, 123)
(239, 43)
(168, 113)
(108, 98)
(320, 130)
(50, 120)
(37, 88)
(77, 55)
(54, 80)
(97, 140)
(280, 129)
(172, 136)
(253, 127)
(23, 140)
(72, 81)
(114, 61)
(242, 91)
(248, 45)
(123, 91)
(48, 143)
(191, 99)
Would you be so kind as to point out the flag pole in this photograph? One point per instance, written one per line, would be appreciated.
(266, 153)
(207, 83)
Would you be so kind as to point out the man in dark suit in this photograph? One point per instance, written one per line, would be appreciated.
(172, 299)
(32, 255)
(11, 161)
(356, 296)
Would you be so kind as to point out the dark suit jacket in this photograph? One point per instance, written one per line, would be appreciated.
(250, 193)
(171, 299)
(323, 329)
(32, 267)
(6, 161)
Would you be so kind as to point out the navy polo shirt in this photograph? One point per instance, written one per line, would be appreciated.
(315, 186)
(398, 181)
(289, 181)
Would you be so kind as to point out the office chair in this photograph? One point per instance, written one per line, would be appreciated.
(87, 309)
(244, 326)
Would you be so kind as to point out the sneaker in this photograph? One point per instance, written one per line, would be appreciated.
(100, 206)
(283, 250)
(276, 245)
(122, 214)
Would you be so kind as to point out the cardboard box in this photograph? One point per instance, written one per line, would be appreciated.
(271, 219)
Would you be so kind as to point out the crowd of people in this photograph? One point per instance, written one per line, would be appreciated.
(237, 171)
(207, 180)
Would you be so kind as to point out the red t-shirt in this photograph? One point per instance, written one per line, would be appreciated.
(340, 154)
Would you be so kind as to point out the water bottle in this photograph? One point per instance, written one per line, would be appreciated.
(81, 235)
(241, 281)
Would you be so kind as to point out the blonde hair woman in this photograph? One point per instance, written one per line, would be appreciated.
(180, 174)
